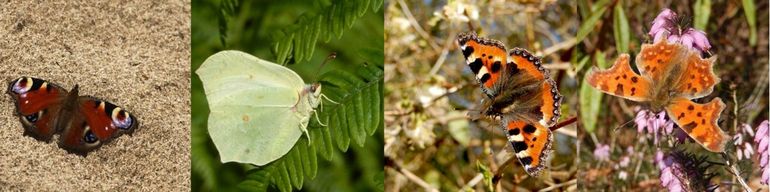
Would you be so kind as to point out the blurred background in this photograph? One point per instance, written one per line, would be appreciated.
(619, 151)
(261, 28)
(430, 144)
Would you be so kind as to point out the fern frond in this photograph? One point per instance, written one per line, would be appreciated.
(227, 9)
(298, 41)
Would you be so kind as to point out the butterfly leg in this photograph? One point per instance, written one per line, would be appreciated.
(303, 124)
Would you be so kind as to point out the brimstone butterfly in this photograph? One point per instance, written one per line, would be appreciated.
(259, 109)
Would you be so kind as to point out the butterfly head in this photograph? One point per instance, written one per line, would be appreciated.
(314, 93)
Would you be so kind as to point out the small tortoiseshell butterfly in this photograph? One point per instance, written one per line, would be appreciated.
(84, 122)
(671, 75)
(520, 92)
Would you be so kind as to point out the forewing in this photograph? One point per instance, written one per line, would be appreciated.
(620, 80)
(658, 61)
(37, 104)
(228, 72)
(698, 78)
(485, 57)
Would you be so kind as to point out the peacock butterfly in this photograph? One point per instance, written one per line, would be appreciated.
(83, 122)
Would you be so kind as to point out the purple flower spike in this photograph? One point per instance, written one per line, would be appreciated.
(665, 26)
(762, 140)
(602, 152)
(699, 39)
(662, 22)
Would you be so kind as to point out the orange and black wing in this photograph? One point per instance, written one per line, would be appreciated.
(486, 58)
(531, 143)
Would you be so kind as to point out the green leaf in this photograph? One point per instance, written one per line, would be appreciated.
(702, 10)
(589, 24)
(487, 173)
(256, 180)
(379, 180)
(621, 30)
(751, 17)
(590, 99)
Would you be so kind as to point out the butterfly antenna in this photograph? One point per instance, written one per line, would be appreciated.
(327, 98)
(622, 125)
(328, 58)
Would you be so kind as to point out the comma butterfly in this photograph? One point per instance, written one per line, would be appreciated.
(520, 91)
(671, 75)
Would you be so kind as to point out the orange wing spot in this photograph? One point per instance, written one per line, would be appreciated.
(700, 121)
(698, 78)
(532, 144)
(620, 80)
(658, 59)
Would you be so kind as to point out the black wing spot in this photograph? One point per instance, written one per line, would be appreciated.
(496, 66)
(519, 146)
(529, 129)
(514, 131)
(476, 66)
(526, 160)
(468, 51)
(484, 78)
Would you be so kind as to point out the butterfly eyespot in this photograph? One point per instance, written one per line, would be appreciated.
(121, 119)
(89, 137)
(32, 118)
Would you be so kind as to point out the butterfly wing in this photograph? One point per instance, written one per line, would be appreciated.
(37, 105)
(531, 143)
(93, 123)
(697, 78)
(620, 80)
(547, 97)
(700, 121)
(660, 60)
(256, 111)
(486, 58)
(256, 134)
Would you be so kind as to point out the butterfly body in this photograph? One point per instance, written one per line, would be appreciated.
(671, 75)
(84, 122)
(519, 92)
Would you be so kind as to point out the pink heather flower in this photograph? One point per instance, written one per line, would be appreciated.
(762, 140)
(624, 161)
(665, 26)
(652, 123)
(743, 145)
(671, 173)
(602, 152)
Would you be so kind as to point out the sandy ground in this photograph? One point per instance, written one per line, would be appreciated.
(135, 54)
